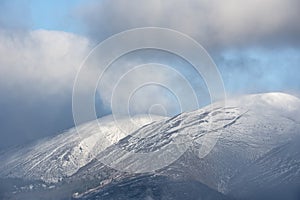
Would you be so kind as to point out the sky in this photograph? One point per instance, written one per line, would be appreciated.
(254, 43)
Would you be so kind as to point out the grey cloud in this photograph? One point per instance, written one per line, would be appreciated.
(37, 70)
(220, 26)
(215, 24)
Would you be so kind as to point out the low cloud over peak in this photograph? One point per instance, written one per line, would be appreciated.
(255, 45)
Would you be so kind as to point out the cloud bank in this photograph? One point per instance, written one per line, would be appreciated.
(255, 44)
(36, 79)
(215, 24)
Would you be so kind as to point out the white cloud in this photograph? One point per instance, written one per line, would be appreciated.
(40, 66)
(42, 62)
(144, 85)
(37, 69)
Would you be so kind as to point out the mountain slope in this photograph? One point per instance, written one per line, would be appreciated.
(151, 187)
(276, 175)
(224, 148)
(52, 160)
(244, 130)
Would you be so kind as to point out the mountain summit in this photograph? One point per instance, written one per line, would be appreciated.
(244, 148)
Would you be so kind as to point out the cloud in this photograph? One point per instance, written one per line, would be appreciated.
(149, 77)
(42, 61)
(232, 31)
(255, 44)
(215, 24)
(37, 70)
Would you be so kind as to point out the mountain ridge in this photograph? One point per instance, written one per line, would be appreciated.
(238, 135)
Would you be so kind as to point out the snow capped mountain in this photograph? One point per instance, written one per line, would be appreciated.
(51, 160)
(228, 149)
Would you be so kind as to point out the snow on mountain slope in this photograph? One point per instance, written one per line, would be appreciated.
(244, 132)
(276, 174)
(251, 132)
(53, 159)
(246, 128)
